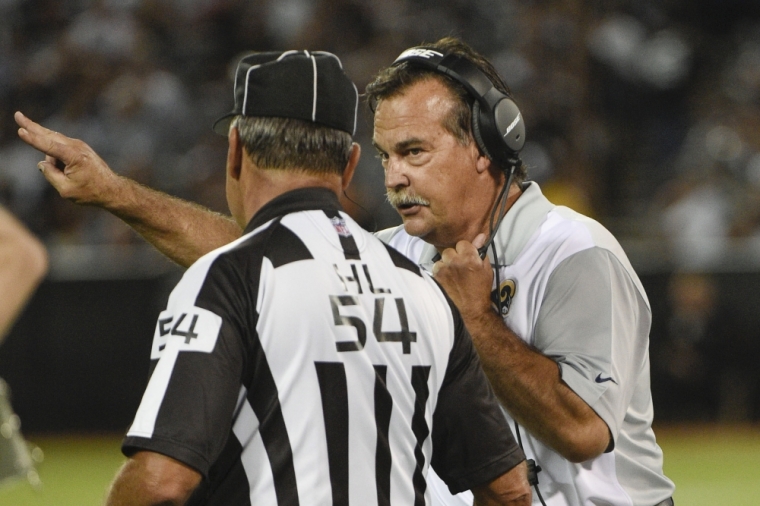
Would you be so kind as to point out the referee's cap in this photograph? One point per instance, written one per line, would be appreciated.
(306, 85)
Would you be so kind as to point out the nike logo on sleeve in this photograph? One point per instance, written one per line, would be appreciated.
(599, 379)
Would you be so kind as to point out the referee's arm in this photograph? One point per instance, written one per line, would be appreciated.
(152, 479)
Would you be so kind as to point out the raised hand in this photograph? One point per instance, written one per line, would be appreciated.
(70, 165)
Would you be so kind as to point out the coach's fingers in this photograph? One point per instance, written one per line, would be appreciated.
(52, 173)
(45, 140)
(55, 162)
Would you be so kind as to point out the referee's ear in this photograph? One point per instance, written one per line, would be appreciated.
(234, 154)
(353, 161)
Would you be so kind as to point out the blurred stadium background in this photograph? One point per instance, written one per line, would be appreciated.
(643, 114)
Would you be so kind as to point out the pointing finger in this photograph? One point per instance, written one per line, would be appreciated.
(49, 142)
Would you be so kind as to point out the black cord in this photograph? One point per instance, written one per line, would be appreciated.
(372, 217)
(501, 205)
(533, 468)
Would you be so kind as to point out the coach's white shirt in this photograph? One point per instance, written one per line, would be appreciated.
(571, 292)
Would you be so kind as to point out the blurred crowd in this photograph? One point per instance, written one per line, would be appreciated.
(644, 114)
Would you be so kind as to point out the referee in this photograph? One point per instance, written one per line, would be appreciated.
(306, 362)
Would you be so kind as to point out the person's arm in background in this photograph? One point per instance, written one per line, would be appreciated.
(152, 479)
(181, 230)
(23, 264)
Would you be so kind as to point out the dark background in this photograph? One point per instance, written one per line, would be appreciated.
(643, 114)
(77, 360)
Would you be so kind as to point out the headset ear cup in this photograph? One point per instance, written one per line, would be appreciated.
(508, 122)
(476, 129)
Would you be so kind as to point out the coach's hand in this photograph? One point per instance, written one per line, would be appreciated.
(466, 277)
(70, 165)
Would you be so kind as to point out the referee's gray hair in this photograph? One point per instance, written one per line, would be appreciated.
(288, 143)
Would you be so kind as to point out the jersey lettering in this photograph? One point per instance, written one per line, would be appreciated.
(403, 336)
(353, 283)
(187, 334)
(371, 286)
(197, 329)
(336, 301)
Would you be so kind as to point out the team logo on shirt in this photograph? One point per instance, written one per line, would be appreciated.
(340, 226)
(506, 293)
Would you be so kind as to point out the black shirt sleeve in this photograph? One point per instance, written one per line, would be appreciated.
(472, 441)
(197, 402)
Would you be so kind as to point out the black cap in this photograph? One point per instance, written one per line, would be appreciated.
(304, 85)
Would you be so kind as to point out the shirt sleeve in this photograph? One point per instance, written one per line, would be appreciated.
(198, 359)
(595, 323)
(472, 442)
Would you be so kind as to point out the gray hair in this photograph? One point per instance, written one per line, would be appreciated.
(288, 143)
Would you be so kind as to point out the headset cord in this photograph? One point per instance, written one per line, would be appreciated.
(501, 204)
(499, 207)
(371, 216)
(533, 468)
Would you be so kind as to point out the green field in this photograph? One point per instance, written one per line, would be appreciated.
(710, 465)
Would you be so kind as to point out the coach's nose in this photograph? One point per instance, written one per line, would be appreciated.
(395, 173)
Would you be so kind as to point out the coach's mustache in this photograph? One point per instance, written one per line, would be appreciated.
(404, 198)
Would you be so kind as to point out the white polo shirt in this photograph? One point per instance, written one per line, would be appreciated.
(570, 291)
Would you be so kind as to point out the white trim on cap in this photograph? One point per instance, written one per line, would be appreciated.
(356, 107)
(287, 53)
(248, 74)
(245, 93)
(314, 101)
(356, 91)
(326, 53)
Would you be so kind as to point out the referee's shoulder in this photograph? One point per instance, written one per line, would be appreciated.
(400, 260)
(228, 255)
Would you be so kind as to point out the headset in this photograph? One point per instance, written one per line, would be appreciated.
(497, 124)
(499, 130)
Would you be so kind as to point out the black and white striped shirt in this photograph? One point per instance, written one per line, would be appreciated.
(309, 363)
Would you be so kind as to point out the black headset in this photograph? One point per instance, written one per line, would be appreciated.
(497, 124)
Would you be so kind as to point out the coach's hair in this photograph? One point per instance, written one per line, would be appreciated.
(288, 143)
(394, 80)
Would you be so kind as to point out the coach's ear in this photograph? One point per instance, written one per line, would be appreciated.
(234, 154)
(353, 161)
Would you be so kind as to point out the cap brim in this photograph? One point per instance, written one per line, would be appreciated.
(222, 125)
